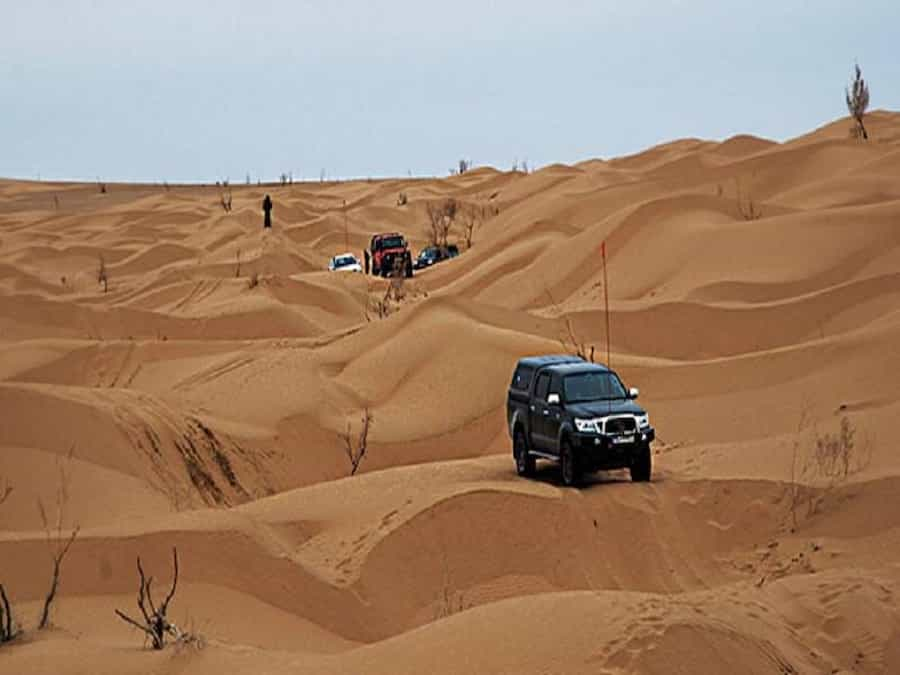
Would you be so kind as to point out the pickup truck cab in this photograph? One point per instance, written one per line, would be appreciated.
(580, 414)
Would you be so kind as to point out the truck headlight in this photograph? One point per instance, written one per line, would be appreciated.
(585, 425)
(643, 421)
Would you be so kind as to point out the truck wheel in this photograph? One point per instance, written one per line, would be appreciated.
(641, 465)
(568, 464)
(525, 463)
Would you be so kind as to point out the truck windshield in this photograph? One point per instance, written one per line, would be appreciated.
(345, 261)
(391, 242)
(593, 387)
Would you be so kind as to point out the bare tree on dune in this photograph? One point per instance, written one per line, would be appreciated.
(8, 629)
(156, 622)
(441, 216)
(57, 544)
(356, 453)
(857, 95)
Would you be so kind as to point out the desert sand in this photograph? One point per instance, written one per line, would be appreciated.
(755, 301)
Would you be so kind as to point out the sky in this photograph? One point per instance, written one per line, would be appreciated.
(193, 91)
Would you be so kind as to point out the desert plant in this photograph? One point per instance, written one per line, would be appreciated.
(253, 282)
(568, 340)
(402, 199)
(356, 452)
(225, 200)
(284, 179)
(237, 264)
(471, 216)
(102, 277)
(822, 466)
(8, 628)
(464, 165)
(101, 186)
(441, 216)
(857, 97)
(746, 206)
(57, 544)
(156, 621)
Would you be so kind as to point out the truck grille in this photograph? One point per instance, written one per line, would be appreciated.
(621, 425)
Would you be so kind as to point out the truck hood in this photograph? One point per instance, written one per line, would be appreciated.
(592, 409)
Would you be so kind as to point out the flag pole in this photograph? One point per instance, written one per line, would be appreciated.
(606, 300)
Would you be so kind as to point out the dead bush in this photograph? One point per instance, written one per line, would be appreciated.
(568, 340)
(463, 166)
(402, 199)
(356, 452)
(441, 216)
(821, 465)
(253, 281)
(57, 544)
(225, 200)
(102, 277)
(156, 624)
(471, 216)
(857, 97)
(8, 627)
(747, 207)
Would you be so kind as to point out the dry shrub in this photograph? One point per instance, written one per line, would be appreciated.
(402, 199)
(568, 340)
(57, 544)
(102, 277)
(746, 205)
(857, 97)
(253, 281)
(355, 453)
(156, 623)
(471, 216)
(441, 216)
(822, 466)
(8, 627)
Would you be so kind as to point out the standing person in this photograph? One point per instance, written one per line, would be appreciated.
(366, 255)
(267, 210)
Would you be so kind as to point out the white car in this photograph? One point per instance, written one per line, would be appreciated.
(345, 262)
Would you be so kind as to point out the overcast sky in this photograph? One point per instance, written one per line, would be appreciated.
(199, 91)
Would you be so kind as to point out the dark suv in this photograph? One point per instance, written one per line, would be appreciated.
(579, 414)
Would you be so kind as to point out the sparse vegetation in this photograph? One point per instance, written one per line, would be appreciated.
(857, 97)
(253, 282)
(225, 198)
(57, 544)
(402, 199)
(441, 216)
(746, 205)
(8, 627)
(568, 340)
(471, 216)
(102, 277)
(356, 452)
(820, 467)
(156, 623)
(464, 165)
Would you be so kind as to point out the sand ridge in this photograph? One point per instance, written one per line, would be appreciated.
(753, 285)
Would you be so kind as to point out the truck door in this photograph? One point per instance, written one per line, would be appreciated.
(553, 418)
(538, 412)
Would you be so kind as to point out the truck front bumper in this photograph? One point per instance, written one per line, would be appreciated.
(599, 452)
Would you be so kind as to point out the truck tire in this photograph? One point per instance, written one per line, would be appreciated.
(525, 463)
(641, 466)
(568, 465)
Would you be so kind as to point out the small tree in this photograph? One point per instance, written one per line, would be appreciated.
(464, 165)
(57, 544)
(441, 216)
(356, 453)
(102, 277)
(8, 628)
(470, 216)
(857, 95)
(156, 622)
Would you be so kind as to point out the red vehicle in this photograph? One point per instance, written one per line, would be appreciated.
(386, 249)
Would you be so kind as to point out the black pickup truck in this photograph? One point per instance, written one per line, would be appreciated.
(579, 414)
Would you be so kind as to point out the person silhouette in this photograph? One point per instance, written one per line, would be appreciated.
(267, 210)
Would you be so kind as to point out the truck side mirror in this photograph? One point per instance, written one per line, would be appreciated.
(553, 399)
(633, 392)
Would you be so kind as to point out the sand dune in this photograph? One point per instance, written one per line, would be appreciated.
(199, 400)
